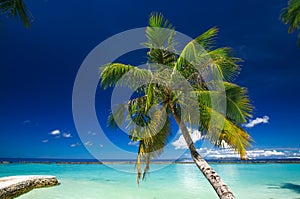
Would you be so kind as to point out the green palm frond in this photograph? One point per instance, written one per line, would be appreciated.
(161, 56)
(150, 128)
(291, 16)
(151, 133)
(150, 97)
(195, 58)
(186, 105)
(207, 39)
(191, 57)
(188, 55)
(144, 123)
(226, 63)
(158, 20)
(111, 75)
(16, 9)
(117, 115)
(160, 34)
(235, 136)
(152, 147)
(238, 106)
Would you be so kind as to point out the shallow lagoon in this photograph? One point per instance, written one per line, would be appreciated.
(247, 181)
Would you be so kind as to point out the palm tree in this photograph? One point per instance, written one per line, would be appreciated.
(16, 9)
(291, 16)
(164, 96)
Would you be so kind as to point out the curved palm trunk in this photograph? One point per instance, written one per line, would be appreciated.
(214, 179)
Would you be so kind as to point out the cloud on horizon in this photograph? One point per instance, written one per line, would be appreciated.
(252, 123)
(214, 153)
(180, 142)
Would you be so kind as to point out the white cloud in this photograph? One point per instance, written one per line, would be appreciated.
(257, 121)
(101, 145)
(255, 153)
(67, 135)
(88, 143)
(224, 145)
(55, 132)
(91, 133)
(273, 153)
(131, 143)
(45, 141)
(75, 144)
(264, 153)
(58, 134)
(180, 142)
(26, 122)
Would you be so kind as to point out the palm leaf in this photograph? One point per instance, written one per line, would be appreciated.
(111, 75)
(160, 34)
(159, 31)
(238, 106)
(235, 136)
(226, 63)
(16, 9)
(195, 58)
(117, 116)
(207, 39)
(152, 147)
(291, 16)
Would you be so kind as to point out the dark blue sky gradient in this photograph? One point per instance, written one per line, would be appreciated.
(39, 66)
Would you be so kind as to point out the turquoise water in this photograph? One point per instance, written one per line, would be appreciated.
(247, 181)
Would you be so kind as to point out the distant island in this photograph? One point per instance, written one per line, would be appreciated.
(131, 161)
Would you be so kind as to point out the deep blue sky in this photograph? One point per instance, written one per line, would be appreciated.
(39, 66)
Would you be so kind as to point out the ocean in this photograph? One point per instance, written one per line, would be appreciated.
(93, 181)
